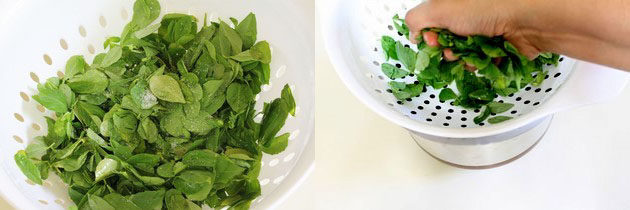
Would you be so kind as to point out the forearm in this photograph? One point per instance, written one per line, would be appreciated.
(593, 30)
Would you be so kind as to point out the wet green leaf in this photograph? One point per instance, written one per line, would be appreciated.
(105, 168)
(166, 88)
(498, 119)
(28, 168)
(239, 96)
(277, 144)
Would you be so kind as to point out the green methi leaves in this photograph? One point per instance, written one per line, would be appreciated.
(480, 69)
(164, 119)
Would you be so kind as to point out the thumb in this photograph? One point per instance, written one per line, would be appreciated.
(524, 47)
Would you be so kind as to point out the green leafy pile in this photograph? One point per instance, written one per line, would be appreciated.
(164, 119)
(502, 70)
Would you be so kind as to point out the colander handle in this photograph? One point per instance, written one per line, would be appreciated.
(588, 84)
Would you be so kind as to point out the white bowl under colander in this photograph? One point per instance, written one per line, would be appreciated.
(37, 37)
(352, 31)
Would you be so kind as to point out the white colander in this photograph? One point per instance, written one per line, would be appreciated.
(352, 30)
(37, 37)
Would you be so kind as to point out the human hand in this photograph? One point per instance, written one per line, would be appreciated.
(592, 30)
(469, 17)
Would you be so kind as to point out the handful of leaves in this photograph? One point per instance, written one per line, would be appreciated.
(164, 119)
(482, 69)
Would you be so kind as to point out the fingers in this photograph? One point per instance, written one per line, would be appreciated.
(449, 55)
(470, 67)
(431, 38)
(527, 50)
(525, 47)
(463, 18)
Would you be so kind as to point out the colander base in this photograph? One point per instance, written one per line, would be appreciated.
(483, 153)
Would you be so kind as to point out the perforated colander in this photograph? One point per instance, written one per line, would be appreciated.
(352, 31)
(37, 37)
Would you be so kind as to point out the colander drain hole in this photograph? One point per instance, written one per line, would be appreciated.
(82, 31)
(289, 157)
(102, 21)
(47, 59)
(277, 180)
(294, 134)
(34, 77)
(36, 126)
(18, 117)
(63, 44)
(24, 97)
(369, 75)
(124, 14)
(41, 108)
(18, 139)
(267, 87)
(264, 182)
(280, 72)
(91, 49)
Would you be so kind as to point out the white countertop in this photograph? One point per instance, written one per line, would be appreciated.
(366, 162)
